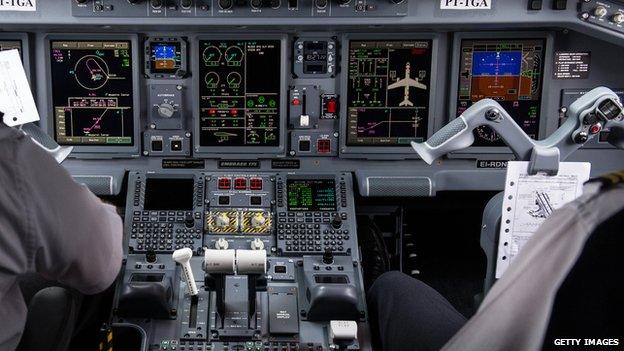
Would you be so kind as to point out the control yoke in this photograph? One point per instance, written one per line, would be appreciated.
(600, 108)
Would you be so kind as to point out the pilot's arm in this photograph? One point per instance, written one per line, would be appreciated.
(75, 238)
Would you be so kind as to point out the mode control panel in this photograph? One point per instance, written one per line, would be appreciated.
(608, 14)
(238, 8)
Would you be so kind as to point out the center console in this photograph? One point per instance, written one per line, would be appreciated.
(272, 262)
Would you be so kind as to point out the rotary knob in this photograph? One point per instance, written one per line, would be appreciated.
(221, 244)
(186, 4)
(257, 244)
(166, 110)
(336, 222)
(258, 220)
(600, 11)
(222, 220)
(618, 18)
(189, 221)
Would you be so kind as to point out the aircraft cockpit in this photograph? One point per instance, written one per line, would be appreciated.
(311, 175)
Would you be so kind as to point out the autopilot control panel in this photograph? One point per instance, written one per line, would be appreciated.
(242, 138)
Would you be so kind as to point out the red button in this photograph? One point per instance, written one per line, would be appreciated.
(240, 183)
(331, 106)
(255, 184)
(595, 129)
(323, 146)
(224, 183)
(296, 102)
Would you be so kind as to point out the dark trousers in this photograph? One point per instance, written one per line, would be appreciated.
(408, 315)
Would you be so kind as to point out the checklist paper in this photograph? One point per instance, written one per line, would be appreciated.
(17, 105)
(530, 199)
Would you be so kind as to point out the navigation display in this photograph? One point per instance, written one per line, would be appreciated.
(388, 92)
(165, 57)
(509, 71)
(311, 194)
(239, 85)
(92, 92)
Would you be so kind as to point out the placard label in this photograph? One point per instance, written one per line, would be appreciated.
(18, 5)
(466, 4)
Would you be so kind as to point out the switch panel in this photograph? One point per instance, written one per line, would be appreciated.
(166, 143)
(166, 106)
(329, 106)
(313, 143)
(238, 8)
(606, 14)
(304, 107)
(314, 57)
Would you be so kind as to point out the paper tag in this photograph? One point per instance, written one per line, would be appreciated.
(18, 5)
(466, 4)
(17, 104)
(530, 199)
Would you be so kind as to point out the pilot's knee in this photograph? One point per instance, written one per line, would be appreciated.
(389, 283)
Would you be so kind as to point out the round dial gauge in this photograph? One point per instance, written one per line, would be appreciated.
(212, 56)
(234, 79)
(212, 80)
(234, 56)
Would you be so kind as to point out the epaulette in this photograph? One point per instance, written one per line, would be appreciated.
(610, 179)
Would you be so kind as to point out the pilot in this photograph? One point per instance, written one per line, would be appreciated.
(563, 284)
(51, 226)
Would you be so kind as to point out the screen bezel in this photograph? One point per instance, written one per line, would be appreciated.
(385, 150)
(546, 74)
(218, 151)
(100, 150)
(25, 52)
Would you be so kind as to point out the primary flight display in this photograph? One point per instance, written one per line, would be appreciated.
(509, 71)
(239, 87)
(388, 91)
(92, 87)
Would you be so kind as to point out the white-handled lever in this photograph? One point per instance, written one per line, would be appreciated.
(183, 257)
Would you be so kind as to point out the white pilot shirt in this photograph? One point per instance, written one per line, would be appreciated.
(51, 225)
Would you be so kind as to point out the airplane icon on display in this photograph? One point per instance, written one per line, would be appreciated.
(407, 82)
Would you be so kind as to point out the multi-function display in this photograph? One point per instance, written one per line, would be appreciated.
(92, 91)
(168, 194)
(239, 86)
(509, 71)
(388, 92)
(311, 194)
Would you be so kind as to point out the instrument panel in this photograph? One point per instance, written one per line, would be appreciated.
(247, 131)
(187, 94)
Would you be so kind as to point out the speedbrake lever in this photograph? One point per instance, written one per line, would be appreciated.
(600, 108)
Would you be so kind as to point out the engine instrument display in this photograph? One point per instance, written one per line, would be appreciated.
(92, 87)
(388, 92)
(311, 194)
(509, 71)
(239, 85)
